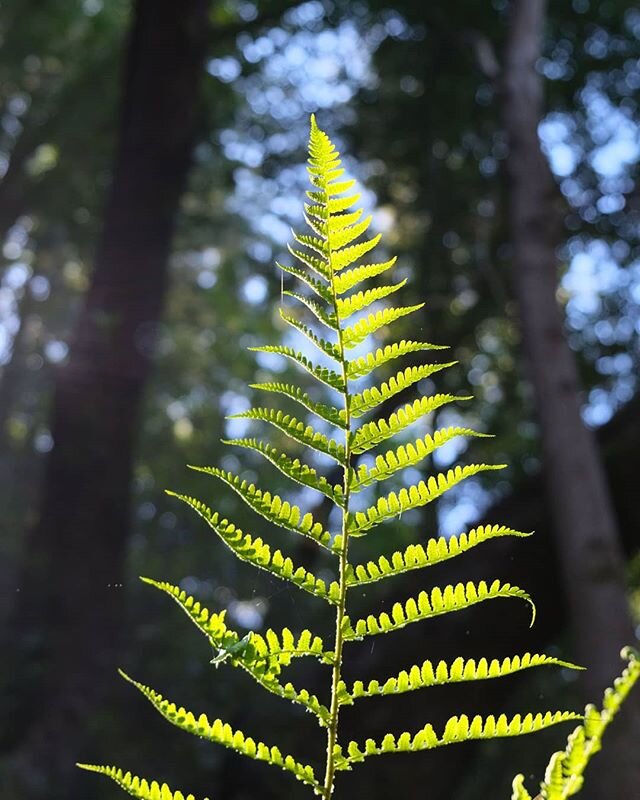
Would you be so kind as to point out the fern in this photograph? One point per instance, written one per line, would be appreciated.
(328, 268)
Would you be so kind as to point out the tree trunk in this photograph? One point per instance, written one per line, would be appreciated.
(71, 609)
(583, 518)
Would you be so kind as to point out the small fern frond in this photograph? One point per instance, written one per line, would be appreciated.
(271, 506)
(223, 734)
(418, 556)
(564, 776)
(459, 671)
(372, 433)
(296, 430)
(357, 333)
(406, 455)
(457, 729)
(330, 414)
(138, 787)
(258, 553)
(319, 288)
(349, 255)
(327, 348)
(371, 398)
(361, 300)
(415, 496)
(317, 265)
(327, 318)
(428, 605)
(352, 277)
(362, 366)
(293, 468)
(322, 374)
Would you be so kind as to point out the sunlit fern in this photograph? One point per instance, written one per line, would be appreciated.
(329, 266)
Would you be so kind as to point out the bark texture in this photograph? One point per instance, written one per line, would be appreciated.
(584, 521)
(71, 611)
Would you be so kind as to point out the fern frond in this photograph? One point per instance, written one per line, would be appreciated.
(519, 790)
(338, 222)
(415, 496)
(271, 506)
(342, 236)
(315, 243)
(293, 468)
(459, 671)
(373, 433)
(357, 333)
(322, 374)
(349, 255)
(327, 318)
(457, 729)
(406, 455)
(417, 556)
(565, 773)
(223, 734)
(361, 300)
(328, 348)
(138, 787)
(296, 430)
(347, 280)
(320, 289)
(330, 414)
(317, 265)
(254, 551)
(362, 366)
(276, 649)
(376, 395)
(428, 605)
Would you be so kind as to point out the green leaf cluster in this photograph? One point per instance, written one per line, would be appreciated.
(328, 266)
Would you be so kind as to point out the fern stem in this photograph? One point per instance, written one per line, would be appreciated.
(334, 710)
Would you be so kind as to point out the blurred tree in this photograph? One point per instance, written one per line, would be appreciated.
(584, 522)
(70, 605)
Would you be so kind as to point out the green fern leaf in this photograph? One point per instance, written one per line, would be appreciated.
(258, 553)
(271, 507)
(322, 374)
(373, 433)
(320, 289)
(293, 468)
(361, 300)
(298, 431)
(457, 729)
(565, 773)
(317, 265)
(519, 790)
(376, 395)
(345, 235)
(223, 734)
(330, 414)
(261, 657)
(327, 318)
(329, 349)
(352, 277)
(459, 671)
(138, 787)
(406, 455)
(415, 496)
(438, 602)
(349, 255)
(362, 366)
(417, 556)
(356, 334)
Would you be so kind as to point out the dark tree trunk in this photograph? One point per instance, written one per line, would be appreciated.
(72, 607)
(583, 518)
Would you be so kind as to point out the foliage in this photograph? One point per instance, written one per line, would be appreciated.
(328, 251)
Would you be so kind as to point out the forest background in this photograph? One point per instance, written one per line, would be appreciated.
(152, 161)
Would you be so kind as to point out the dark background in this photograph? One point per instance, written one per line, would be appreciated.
(152, 155)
